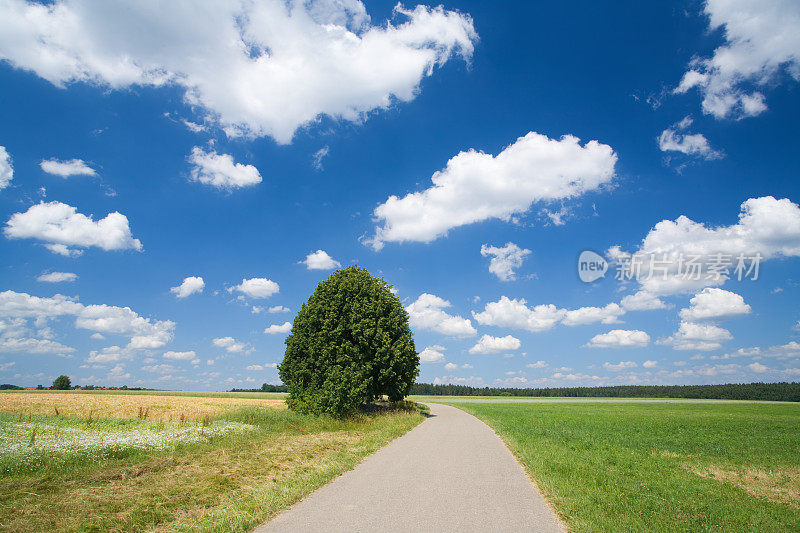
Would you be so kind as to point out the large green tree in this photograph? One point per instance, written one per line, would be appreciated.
(62, 383)
(350, 344)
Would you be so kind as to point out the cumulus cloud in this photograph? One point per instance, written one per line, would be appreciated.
(278, 309)
(57, 277)
(451, 366)
(66, 169)
(275, 329)
(504, 260)
(693, 144)
(622, 365)
(432, 354)
(229, 344)
(219, 170)
(767, 227)
(514, 313)
(261, 68)
(144, 333)
(258, 368)
(650, 364)
(427, 312)
(620, 338)
(62, 226)
(642, 301)
(489, 344)
(609, 314)
(697, 337)
(25, 345)
(189, 286)
(320, 260)
(714, 303)
(761, 41)
(180, 356)
(475, 186)
(758, 367)
(6, 169)
(256, 287)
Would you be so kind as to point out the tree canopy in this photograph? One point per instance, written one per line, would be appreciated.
(350, 344)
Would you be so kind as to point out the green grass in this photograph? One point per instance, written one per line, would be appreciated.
(227, 483)
(688, 466)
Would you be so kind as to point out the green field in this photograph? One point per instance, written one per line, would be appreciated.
(229, 472)
(654, 465)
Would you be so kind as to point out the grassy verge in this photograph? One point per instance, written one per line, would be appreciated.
(226, 482)
(656, 466)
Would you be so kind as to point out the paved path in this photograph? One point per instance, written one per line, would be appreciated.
(450, 473)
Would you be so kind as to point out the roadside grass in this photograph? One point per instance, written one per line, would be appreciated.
(658, 466)
(231, 481)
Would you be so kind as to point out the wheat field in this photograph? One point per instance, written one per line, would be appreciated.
(145, 406)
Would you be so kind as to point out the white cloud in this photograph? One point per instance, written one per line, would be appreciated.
(608, 314)
(257, 368)
(504, 259)
(66, 169)
(451, 366)
(61, 249)
(254, 68)
(219, 170)
(761, 41)
(489, 344)
(256, 287)
(766, 226)
(229, 344)
(475, 186)
(699, 337)
(642, 301)
(650, 364)
(757, 367)
(320, 260)
(6, 169)
(143, 333)
(57, 277)
(620, 338)
(111, 354)
(189, 286)
(427, 312)
(515, 314)
(319, 155)
(17, 345)
(714, 303)
(432, 354)
(274, 329)
(278, 309)
(180, 356)
(622, 365)
(694, 144)
(62, 225)
(537, 364)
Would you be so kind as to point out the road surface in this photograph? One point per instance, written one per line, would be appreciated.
(450, 473)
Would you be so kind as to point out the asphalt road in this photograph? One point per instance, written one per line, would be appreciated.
(450, 473)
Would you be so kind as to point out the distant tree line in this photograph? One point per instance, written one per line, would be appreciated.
(784, 392)
(266, 387)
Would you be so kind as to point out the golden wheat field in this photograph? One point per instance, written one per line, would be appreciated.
(150, 407)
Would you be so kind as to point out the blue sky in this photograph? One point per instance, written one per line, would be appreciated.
(236, 140)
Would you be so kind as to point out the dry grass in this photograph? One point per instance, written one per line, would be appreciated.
(230, 485)
(148, 407)
(778, 485)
